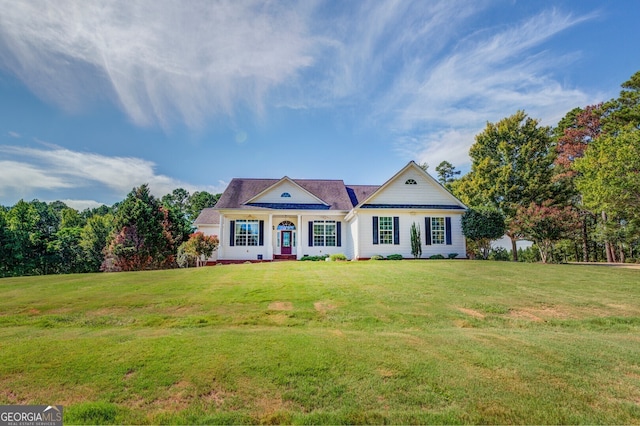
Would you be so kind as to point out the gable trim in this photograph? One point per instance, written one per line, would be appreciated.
(281, 181)
(412, 164)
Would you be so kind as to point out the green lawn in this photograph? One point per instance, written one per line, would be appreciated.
(328, 342)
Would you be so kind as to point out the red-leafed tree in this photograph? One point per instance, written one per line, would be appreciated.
(545, 224)
(197, 249)
(578, 129)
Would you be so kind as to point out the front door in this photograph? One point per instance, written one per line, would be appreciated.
(285, 242)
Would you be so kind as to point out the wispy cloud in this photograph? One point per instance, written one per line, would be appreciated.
(56, 168)
(161, 61)
(486, 77)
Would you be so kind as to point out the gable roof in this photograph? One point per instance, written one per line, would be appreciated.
(282, 182)
(455, 203)
(331, 194)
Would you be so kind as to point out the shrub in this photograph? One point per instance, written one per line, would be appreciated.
(314, 258)
(395, 257)
(500, 253)
(338, 256)
(436, 256)
(377, 257)
(452, 255)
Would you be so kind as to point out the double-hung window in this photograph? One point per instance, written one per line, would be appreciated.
(324, 233)
(385, 227)
(247, 232)
(437, 230)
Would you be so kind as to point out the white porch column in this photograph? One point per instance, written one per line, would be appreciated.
(269, 237)
(301, 237)
(221, 237)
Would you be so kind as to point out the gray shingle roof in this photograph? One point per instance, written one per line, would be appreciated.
(240, 191)
(208, 216)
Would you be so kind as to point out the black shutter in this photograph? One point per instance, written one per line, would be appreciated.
(427, 227)
(447, 230)
(310, 233)
(261, 235)
(396, 230)
(375, 230)
(339, 234)
(232, 233)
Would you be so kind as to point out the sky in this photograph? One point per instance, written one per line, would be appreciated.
(98, 97)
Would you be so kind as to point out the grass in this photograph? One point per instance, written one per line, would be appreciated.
(328, 342)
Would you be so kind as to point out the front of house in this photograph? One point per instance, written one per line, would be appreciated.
(267, 219)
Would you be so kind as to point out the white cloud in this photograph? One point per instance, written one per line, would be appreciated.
(55, 168)
(82, 204)
(161, 61)
(23, 177)
(15, 135)
(485, 78)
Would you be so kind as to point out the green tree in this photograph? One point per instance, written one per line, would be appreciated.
(446, 173)
(482, 226)
(511, 167)
(610, 177)
(200, 200)
(22, 220)
(145, 234)
(93, 240)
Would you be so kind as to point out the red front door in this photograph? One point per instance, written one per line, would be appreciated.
(285, 242)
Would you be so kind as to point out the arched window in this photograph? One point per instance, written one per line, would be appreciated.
(411, 182)
(285, 195)
(286, 225)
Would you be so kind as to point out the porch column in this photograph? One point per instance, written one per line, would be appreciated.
(221, 237)
(269, 237)
(301, 235)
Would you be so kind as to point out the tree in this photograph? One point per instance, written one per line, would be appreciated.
(546, 224)
(574, 133)
(200, 200)
(511, 167)
(93, 240)
(610, 178)
(416, 244)
(197, 249)
(144, 235)
(446, 173)
(483, 225)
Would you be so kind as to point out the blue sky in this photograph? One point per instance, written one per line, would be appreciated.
(98, 97)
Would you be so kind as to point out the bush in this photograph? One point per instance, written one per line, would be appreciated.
(395, 257)
(376, 257)
(338, 256)
(500, 253)
(436, 256)
(452, 255)
(315, 258)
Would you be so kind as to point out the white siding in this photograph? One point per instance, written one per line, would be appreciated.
(366, 248)
(298, 195)
(305, 249)
(425, 191)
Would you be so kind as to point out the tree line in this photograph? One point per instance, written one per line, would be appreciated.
(574, 190)
(140, 232)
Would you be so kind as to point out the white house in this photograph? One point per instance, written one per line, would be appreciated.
(267, 219)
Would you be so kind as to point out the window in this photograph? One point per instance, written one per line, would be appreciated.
(247, 232)
(437, 230)
(324, 233)
(285, 195)
(411, 182)
(385, 226)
